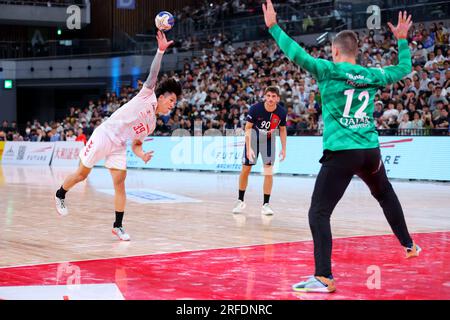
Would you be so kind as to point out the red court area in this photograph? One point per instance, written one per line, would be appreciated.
(371, 267)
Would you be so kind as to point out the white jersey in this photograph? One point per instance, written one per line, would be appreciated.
(135, 120)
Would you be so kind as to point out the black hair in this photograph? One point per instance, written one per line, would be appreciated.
(168, 86)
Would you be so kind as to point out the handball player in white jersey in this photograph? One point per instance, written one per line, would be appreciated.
(134, 121)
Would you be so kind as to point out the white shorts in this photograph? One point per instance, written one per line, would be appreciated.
(99, 147)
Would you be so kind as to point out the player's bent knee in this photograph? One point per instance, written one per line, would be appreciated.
(120, 183)
(82, 173)
(246, 170)
(119, 179)
(381, 194)
(268, 170)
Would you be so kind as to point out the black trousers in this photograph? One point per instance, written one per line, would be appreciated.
(338, 169)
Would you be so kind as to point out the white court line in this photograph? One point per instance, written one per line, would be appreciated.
(200, 250)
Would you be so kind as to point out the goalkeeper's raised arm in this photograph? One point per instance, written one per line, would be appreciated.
(393, 74)
(317, 67)
(163, 44)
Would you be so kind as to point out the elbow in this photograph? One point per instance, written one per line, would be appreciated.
(408, 68)
(135, 144)
(404, 69)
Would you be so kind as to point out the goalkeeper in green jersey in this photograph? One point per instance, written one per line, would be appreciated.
(350, 140)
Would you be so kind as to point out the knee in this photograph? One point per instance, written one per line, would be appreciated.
(268, 171)
(119, 182)
(318, 213)
(246, 171)
(381, 193)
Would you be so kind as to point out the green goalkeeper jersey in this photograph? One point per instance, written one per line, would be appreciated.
(347, 91)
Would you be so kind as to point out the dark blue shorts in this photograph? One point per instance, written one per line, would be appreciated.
(265, 148)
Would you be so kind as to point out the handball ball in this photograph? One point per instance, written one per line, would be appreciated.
(164, 21)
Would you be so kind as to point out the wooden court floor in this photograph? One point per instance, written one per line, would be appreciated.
(172, 212)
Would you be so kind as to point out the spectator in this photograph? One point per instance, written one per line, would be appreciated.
(292, 120)
(161, 129)
(54, 135)
(436, 98)
(378, 112)
(81, 136)
(401, 110)
(70, 135)
(411, 111)
(5, 127)
(391, 111)
(405, 125)
(443, 121)
(417, 124)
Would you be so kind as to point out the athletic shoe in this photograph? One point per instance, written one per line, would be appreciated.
(61, 206)
(239, 207)
(121, 234)
(267, 210)
(315, 284)
(413, 251)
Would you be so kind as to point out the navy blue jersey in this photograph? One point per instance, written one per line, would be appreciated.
(264, 121)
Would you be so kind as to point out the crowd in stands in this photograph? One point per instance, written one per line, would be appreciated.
(209, 13)
(221, 17)
(220, 86)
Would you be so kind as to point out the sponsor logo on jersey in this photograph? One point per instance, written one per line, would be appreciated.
(355, 123)
(353, 77)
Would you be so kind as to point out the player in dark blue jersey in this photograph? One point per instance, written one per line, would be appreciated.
(263, 122)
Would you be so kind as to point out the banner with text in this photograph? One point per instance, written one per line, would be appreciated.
(66, 153)
(28, 153)
(424, 158)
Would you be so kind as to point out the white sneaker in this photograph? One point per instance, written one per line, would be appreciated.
(267, 210)
(239, 207)
(61, 206)
(121, 234)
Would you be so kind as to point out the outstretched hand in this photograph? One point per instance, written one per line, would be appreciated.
(404, 23)
(270, 16)
(147, 156)
(163, 44)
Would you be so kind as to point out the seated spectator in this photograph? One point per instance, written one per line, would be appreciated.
(417, 123)
(378, 112)
(437, 79)
(443, 121)
(312, 106)
(292, 120)
(437, 112)
(81, 136)
(312, 123)
(390, 112)
(404, 124)
(5, 127)
(54, 135)
(70, 136)
(401, 110)
(436, 97)
(411, 110)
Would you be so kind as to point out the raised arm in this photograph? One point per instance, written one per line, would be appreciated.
(163, 44)
(393, 74)
(317, 67)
